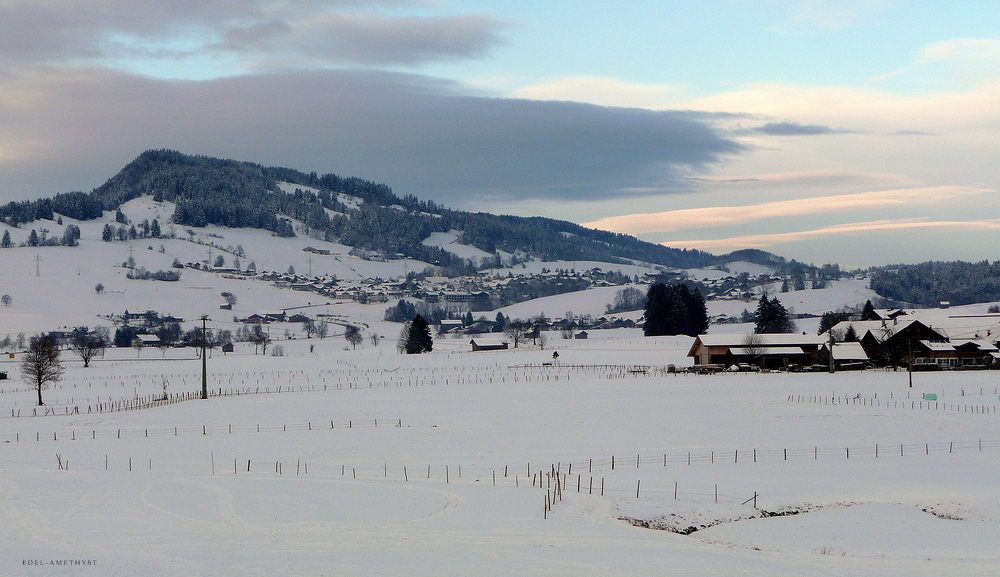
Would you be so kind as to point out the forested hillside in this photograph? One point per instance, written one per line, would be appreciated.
(242, 194)
(929, 283)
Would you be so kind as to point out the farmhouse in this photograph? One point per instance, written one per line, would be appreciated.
(146, 341)
(767, 350)
(934, 355)
(449, 325)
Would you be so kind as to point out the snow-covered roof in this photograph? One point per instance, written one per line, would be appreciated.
(764, 351)
(765, 339)
(849, 352)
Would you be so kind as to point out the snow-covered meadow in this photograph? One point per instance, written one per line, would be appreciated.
(334, 461)
(447, 483)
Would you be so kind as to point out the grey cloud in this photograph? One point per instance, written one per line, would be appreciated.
(420, 135)
(328, 31)
(370, 38)
(793, 129)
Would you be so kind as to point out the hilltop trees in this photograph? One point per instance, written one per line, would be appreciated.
(674, 310)
(772, 317)
(40, 365)
(627, 299)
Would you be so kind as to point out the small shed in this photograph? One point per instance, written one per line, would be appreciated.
(481, 344)
(582, 335)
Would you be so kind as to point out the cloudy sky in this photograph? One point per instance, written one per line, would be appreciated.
(853, 131)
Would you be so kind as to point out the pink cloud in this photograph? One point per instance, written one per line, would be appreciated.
(768, 240)
(694, 218)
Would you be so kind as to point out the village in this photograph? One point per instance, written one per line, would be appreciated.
(916, 339)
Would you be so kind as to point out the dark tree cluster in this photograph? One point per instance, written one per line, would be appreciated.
(163, 275)
(772, 317)
(674, 310)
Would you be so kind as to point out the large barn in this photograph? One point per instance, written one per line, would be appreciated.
(766, 350)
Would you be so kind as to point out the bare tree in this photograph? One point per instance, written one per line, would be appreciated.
(542, 340)
(404, 335)
(40, 366)
(87, 345)
(352, 334)
(375, 338)
(322, 329)
(260, 339)
(517, 330)
(754, 346)
(230, 298)
(5, 299)
(309, 326)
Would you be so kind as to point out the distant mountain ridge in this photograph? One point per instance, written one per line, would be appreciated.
(241, 194)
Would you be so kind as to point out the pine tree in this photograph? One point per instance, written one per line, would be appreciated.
(657, 311)
(418, 339)
(868, 312)
(697, 314)
(827, 322)
(772, 317)
(107, 235)
(6, 242)
(851, 336)
(500, 324)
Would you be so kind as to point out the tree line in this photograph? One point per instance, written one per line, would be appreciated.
(929, 283)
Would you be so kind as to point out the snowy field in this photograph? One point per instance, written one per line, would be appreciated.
(331, 461)
(368, 462)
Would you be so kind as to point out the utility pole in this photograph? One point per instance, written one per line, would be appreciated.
(831, 351)
(204, 366)
(909, 360)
